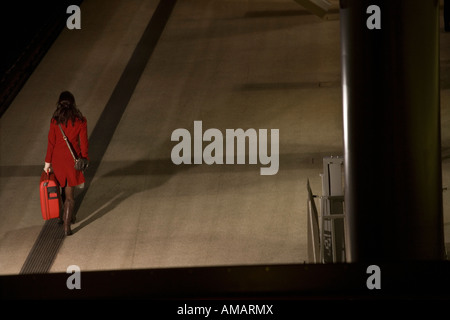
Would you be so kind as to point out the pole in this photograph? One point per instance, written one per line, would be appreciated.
(390, 82)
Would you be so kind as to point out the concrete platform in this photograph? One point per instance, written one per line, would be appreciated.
(258, 64)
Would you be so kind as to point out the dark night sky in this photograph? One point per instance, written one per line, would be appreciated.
(21, 21)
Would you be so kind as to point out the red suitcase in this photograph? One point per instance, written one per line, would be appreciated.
(50, 196)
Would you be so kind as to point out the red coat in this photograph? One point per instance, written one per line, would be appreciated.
(58, 153)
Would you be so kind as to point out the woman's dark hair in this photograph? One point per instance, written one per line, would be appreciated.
(66, 109)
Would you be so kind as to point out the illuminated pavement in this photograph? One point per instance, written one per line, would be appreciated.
(258, 64)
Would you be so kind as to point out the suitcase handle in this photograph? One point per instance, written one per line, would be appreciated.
(48, 173)
(51, 191)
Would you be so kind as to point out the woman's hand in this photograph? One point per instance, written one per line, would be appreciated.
(47, 166)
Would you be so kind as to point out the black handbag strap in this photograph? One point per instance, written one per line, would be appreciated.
(67, 142)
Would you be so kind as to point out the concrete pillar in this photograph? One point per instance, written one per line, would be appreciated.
(390, 79)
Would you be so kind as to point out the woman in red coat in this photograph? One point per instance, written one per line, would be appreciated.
(58, 156)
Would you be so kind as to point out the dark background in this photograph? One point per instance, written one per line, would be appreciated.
(27, 30)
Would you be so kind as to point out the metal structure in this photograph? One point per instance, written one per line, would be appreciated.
(392, 143)
(313, 228)
(326, 231)
(321, 8)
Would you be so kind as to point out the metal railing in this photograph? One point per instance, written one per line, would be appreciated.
(327, 229)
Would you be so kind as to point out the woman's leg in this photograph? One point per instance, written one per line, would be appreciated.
(63, 199)
(69, 205)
